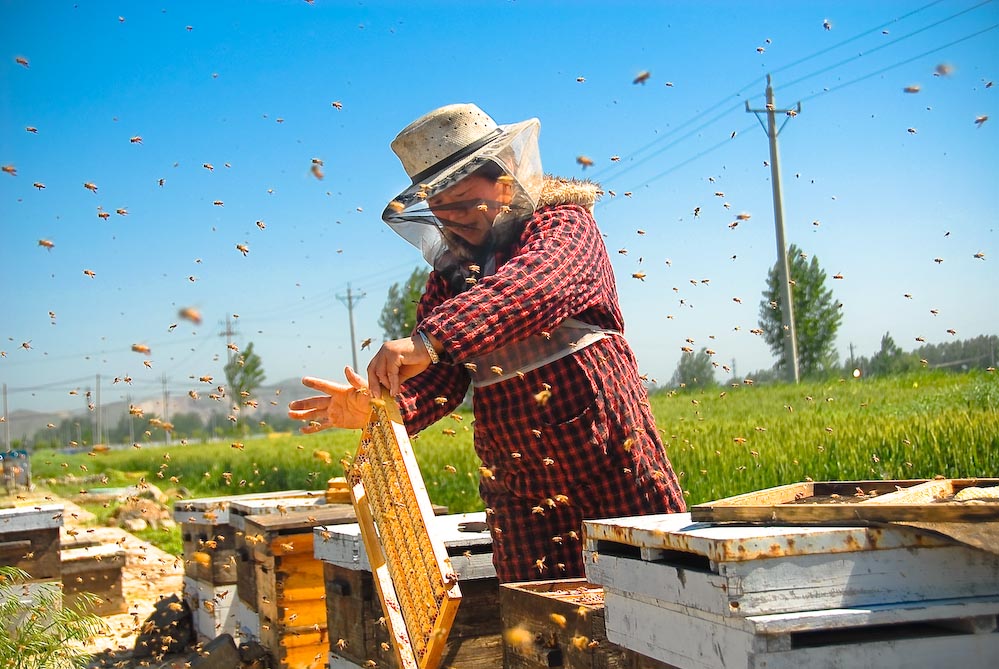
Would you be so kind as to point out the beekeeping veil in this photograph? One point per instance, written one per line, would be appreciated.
(448, 144)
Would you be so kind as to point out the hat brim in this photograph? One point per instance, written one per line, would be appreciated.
(454, 172)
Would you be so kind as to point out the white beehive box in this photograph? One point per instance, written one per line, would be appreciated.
(705, 596)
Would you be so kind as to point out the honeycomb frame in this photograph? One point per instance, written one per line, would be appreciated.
(413, 575)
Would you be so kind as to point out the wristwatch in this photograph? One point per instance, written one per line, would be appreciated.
(434, 358)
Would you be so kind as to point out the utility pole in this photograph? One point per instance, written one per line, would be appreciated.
(166, 401)
(228, 333)
(6, 421)
(349, 300)
(783, 266)
(98, 427)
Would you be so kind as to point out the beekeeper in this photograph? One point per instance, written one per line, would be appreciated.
(521, 305)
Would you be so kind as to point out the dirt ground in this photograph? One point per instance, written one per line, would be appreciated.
(149, 575)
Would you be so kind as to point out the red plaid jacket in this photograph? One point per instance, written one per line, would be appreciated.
(594, 441)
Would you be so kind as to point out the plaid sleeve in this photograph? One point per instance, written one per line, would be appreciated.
(440, 388)
(561, 270)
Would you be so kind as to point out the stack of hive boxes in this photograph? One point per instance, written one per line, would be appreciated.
(29, 540)
(280, 582)
(713, 595)
(210, 560)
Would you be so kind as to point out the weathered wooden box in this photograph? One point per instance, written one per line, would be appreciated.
(29, 540)
(239, 511)
(561, 624)
(702, 595)
(209, 538)
(354, 612)
(287, 585)
(96, 569)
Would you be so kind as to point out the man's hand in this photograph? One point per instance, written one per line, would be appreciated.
(346, 406)
(395, 362)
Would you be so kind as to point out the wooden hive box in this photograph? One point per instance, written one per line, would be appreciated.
(707, 596)
(353, 609)
(29, 540)
(288, 582)
(209, 539)
(95, 569)
(246, 577)
(560, 623)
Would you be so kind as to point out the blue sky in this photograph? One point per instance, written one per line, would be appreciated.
(878, 183)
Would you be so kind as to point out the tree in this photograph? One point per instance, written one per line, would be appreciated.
(244, 373)
(891, 359)
(816, 314)
(694, 370)
(398, 317)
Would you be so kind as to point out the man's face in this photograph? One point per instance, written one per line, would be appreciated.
(469, 207)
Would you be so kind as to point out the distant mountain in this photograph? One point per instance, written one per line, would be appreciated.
(271, 399)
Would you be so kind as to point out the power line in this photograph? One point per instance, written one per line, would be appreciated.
(634, 164)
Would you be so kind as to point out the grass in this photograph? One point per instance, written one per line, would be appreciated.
(722, 442)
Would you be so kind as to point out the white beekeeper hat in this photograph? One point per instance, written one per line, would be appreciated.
(447, 144)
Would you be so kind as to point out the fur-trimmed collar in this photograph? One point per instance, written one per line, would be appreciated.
(559, 190)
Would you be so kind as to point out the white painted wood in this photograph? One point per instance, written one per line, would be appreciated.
(730, 542)
(885, 614)
(805, 582)
(341, 545)
(682, 586)
(810, 582)
(215, 510)
(28, 518)
(690, 639)
(219, 617)
(247, 622)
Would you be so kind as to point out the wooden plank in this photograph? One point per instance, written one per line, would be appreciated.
(936, 611)
(695, 640)
(921, 493)
(728, 542)
(791, 504)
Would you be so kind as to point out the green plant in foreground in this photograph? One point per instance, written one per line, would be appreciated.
(36, 631)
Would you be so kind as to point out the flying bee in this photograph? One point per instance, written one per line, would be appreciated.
(243, 248)
(585, 161)
(135, 140)
(46, 243)
(39, 185)
(642, 77)
(141, 348)
(92, 187)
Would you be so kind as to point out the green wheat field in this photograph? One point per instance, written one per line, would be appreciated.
(723, 441)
